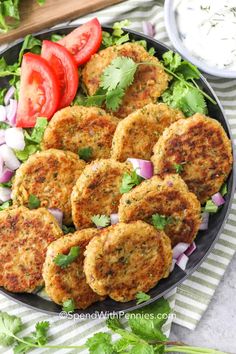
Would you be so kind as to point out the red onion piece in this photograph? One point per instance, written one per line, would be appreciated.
(182, 261)
(144, 168)
(148, 29)
(179, 249)
(11, 112)
(1, 165)
(5, 194)
(9, 95)
(172, 267)
(5, 175)
(217, 199)
(2, 136)
(191, 249)
(114, 219)
(9, 157)
(15, 138)
(3, 114)
(205, 220)
(58, 215)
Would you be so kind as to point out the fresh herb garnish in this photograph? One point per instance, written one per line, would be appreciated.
(5, 205)
(101, 220)
(33, 202)
(63, 260)
(142, 297)
(117, 37)
(85, 153)
(129, 181)
(161, 221)
(210, 207)
(69, 305)
(178, 167)
(68, 229)
(38, 130)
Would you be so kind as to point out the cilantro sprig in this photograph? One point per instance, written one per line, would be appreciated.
(101, 220)
(85, 153)
(130, 180)
(142, 297)
(33, 202)
(161, 221)
(63, 260)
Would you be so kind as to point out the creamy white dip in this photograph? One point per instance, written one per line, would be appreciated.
(207, 29)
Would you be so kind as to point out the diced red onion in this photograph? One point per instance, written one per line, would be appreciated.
(179, 249)
(58, 215)
(114, 219)
(191, 249)
(148, 29)
(217, 199)
(182, 261)
(3, 114)
(144, 168)
(5, 175)
(172, 265)
(11, 112)
(169, 183)
(15, 138)
(9, 157)
(5, 194)
(2, 136)
(1, 165)
(9, 95)
(205, 220)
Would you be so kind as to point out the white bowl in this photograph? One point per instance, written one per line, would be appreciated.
(173, 33)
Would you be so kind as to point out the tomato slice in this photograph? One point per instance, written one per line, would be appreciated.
(84, 41)
(39, 91)
(63, 63)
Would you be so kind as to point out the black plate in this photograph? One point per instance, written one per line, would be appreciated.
(205, 239)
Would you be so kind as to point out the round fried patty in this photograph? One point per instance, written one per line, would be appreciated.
(168, 197)
(97, 191)
(24, 238)
(50, 176)
(77, 127)
(149, 82)
(127, 258)
(200, 145)
(66, 283)
(136, 134)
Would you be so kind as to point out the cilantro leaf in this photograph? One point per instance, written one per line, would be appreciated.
(63, 260)
(41, 333)
(33, 202)
(171, 60)
(100, 343)
(142, 297)
(142, 348)
(129, 181)
(69, 305)
(85, 153)
(37, 338)
(178, 167)
(161, 221)
(39, 129)
(114, 98)
(68, 229)
(9, 325)
(114, 323)
(101, 220)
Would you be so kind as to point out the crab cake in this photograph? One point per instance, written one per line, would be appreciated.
(77, 127)
(149, 82)
(62, 284)
(136, 134)
(97, 191)
(201, 149)
(127, 258)
(50, 176)
(24, 238)
(168, 197)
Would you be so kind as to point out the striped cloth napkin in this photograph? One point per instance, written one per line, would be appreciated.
(191, 299)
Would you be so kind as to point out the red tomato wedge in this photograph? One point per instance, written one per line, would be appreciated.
(39, 91)
(64, 65)
(84, 41)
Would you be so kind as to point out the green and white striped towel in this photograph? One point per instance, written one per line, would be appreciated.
(191, 299)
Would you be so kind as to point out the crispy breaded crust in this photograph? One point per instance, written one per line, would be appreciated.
(136, 134)
(127, 258)
(149, 82)
(77, 127)
(49, 175)
(169, 197)
(24, 238)
(201, 145)
(97, 191)
(62, 284)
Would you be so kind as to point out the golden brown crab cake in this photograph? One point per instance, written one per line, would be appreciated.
(168, 197)
(77, 127)
(97, 191)
(127, 258)
(69, 282)
(149, 83)
(50, 176)
(24, 237)
(200, 147)
(136, 134)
